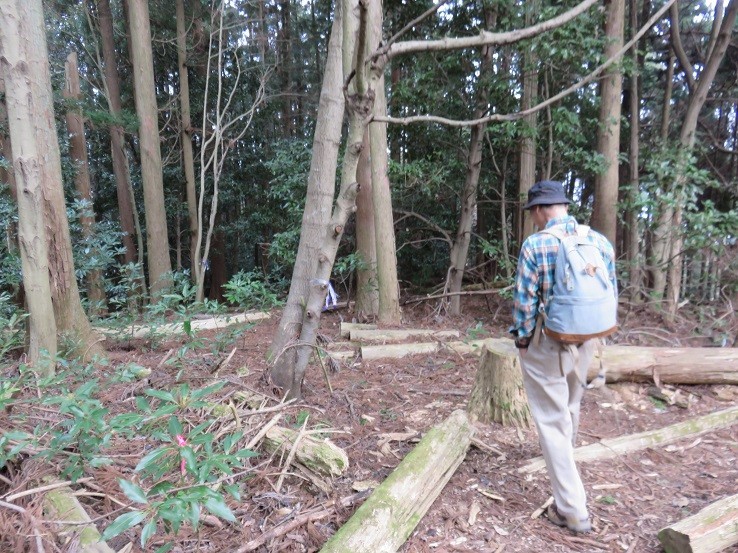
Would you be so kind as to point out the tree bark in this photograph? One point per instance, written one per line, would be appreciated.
(78, 153)
(387, 283)
(157, 241)
(188, 158)
(72, 323)
(367, 294)
(388, 517)
(529, 128)
(20, 48)
(712, 529)
(604, 216)
(126, 208)
(498, 394)
(317, 210)
(633, 231)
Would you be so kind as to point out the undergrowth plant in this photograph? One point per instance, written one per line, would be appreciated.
(189, 467)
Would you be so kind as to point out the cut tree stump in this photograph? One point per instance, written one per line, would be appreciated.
(606, 449)
(318, 455)
(498, 394)
(388, 517)
(714, 528)
(61, 504)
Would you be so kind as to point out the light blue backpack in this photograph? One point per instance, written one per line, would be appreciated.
(583, 304)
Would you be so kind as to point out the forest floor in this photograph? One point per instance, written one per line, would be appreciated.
(377, 412)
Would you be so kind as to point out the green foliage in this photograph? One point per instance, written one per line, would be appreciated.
(188, 470)
(248, 290)
(12, 326)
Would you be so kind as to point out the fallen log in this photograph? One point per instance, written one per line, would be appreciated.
(141, 331)
(390, 335)
(318, 455)
(61, 504)
(606, 449)
(346, 328)
(498, 394)
(623, 363)
(388, 517)
(714, 528)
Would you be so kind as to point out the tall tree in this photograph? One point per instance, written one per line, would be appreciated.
(470, 190)
(387, 283)
(123, 187)
(188, 158)
(22, 43)
(157, 237)
(78, 153)
(717, 47)
(604, 216)
(529, 129)
(316, 214)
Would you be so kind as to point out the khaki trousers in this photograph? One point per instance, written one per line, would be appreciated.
(555, 389)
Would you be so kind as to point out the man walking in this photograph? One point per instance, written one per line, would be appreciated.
(554, 374)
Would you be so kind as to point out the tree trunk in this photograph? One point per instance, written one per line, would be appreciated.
(604, 215)
(712, 529)
(317, 211)
(387, 283)
(529, 126)
(367, 296)
(498, 394)
(460, 248)
(121, 170)
(717, 48)
(20, 48)
(388, 517)
(78, 153)
(188, 159)
(633, 234)
(157, 241)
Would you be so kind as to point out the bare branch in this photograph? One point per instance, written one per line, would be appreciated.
(409, 26)
(515, 116)
(486, 37)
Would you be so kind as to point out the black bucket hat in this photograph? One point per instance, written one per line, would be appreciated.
(546, 192)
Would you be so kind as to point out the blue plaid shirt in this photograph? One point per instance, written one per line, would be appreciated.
(536, 266)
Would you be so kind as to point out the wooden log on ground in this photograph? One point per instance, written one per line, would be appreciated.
(498, 394)
(388, 517)
(346, 328)
(318, 455)
(396, 351)
(606, 449)
(389, 335)
(713, 529)
(141, 331)
(623, 363)
(61, 504)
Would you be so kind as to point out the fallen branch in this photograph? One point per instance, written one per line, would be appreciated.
(320, 456)
(606, 449)
(714, 528)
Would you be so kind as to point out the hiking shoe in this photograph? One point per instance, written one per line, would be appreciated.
(579, 526)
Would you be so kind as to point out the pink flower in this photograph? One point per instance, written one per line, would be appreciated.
(182, 442)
